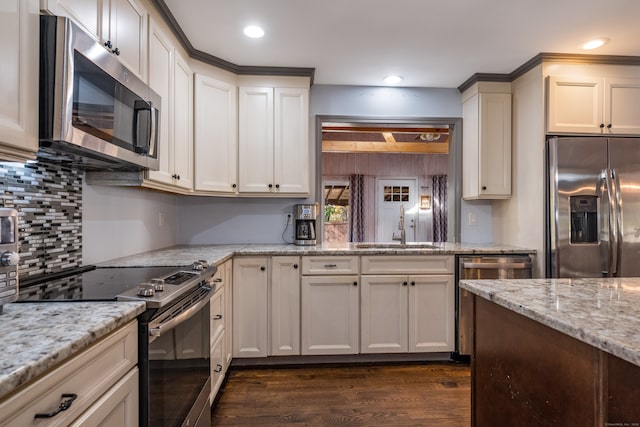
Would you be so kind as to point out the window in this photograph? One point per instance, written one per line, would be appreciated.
(396, 193)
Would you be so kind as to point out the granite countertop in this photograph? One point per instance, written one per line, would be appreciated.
(216, 254)
(604, 313)
(36, 337)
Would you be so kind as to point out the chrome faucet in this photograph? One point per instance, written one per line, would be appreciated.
(403, 235)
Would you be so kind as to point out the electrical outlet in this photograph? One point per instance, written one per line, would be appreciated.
(473, 218)
(160, 219)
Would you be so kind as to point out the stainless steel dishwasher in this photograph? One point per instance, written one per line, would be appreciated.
(483, 267)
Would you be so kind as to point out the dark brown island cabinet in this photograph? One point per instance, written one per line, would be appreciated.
(527, 374)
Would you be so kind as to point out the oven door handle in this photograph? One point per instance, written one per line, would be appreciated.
(157, 331)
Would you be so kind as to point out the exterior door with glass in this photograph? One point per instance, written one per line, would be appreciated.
(390, 195)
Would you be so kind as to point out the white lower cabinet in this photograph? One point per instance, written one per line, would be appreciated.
(104, 377)
(330, 315)
(250, 321)
(285, 306)
(407, 313)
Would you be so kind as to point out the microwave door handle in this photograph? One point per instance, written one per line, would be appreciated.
(138, 107)
(152, 132)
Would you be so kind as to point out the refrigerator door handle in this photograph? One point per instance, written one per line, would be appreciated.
(611, 202)
(618, 214)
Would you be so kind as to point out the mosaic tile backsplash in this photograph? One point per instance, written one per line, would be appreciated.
(48, 196)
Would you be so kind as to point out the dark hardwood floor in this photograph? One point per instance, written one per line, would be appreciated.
(433, 394)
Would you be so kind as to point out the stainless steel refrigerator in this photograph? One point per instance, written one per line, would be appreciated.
(593, 189)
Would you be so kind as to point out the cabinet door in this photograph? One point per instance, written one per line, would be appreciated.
(218, 315)
(19, 40)
(285, 306)
(217, 366)
(256, 140)
(291, 139)
(160, 78)
(216, 135)
(574, 104)
(383, 321)
(431, 313)
(228, 309)
(85, 13)
(118, 407)
(250, 278)
(124, 24)
(495, 144)
(182, 123)
(622, 106)
(330, 315)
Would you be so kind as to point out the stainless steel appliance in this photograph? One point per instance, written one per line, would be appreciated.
(173, 332)
(593, 202)
(9, 257)
(305, 224)
(483, 267)
(94, 112)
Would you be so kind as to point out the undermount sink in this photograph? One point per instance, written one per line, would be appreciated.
(410, 245)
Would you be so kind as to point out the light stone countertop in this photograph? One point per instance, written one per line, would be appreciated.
(37, 336)
(604, 313)
(216, 254)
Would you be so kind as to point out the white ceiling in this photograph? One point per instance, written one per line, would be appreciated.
(432, 43)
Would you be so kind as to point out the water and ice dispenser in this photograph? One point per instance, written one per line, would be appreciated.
(584, 219)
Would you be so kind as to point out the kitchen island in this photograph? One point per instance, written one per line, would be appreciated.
(556, 352)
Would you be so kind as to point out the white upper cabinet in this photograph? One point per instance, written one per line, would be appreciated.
(182, 123)
(86, 13)
(160, 80)
(171, 77)
(119, 25)
(216, 135)
(19, 40)
(593, 105)
(124, 33)
(274, 140)
(486, 141)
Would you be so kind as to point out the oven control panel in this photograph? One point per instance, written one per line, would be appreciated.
(9, 257)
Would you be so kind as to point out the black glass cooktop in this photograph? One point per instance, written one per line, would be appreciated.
(94, 284)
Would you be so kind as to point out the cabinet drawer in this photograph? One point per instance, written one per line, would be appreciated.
(217, 314)
(329, 265)
(89, 375)
(217, 366)
(408, 264)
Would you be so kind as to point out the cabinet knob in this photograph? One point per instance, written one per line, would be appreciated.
(278, 185)
(270, 185)
(295, 266)
(484, 187)
(413, 283)
(404, 283)
(116, 51)
(217, 317)
(601, 125)
(108, 44)
(218, 368)
(355, 283)
(233, 185)
(609, 126)
(263, 268)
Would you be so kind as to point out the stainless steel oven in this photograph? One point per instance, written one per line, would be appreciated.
(173, 332)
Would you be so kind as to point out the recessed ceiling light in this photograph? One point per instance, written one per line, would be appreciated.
(253, 31)
(594, 44)
(393, 80)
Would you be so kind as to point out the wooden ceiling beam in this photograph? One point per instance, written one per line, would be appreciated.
(385, 147)
(384, 129)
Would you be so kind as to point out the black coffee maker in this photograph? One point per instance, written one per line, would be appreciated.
(305, 222)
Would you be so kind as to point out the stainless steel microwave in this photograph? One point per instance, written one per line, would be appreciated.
(94, 112)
